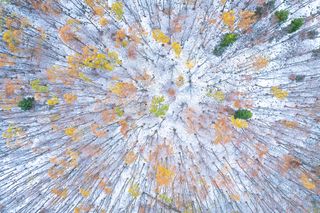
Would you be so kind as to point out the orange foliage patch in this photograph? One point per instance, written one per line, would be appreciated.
(10, 87)
(67, 33)
(103, 185)
(260, 63)
(132, 51)
(99, 11)
(6, 60)
(176, 24)
(289, 162)
(194, 121)
(123, 127)
(289, 124)
(261, 149)
(171, 92)
(223, 132)
(91, 151)
(130, 157)
(161, 150)
(109, 115)
(55, 173)
(123, 89)
(242, 104)
(48, 7)
(96, 132)
(247, 18)
(69, 98)
(120, 38)
(63, 193)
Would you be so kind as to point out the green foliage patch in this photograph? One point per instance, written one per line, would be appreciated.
(157, 108)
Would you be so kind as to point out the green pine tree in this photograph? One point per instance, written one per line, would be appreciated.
(26, 103)
(295, 25)
(282, 15)
(243, 114)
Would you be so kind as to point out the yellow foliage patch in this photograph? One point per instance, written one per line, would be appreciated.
(114, 57)
(134, 190)
(90, 3)
(160, 37)
(70, 131)
(98, 61)
(279, 93)
(239, 123)
(117, 9)
(12, 39)
(76, 210)
(218, 95)
(103, 21)
(12, 132)
(121, 38)
(189, 64)
(228, 19)
(84, 193)
(53, 101)
(84, 77)
(176, 48)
